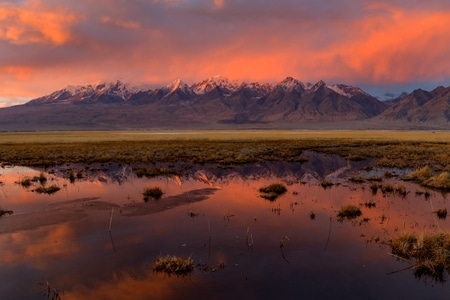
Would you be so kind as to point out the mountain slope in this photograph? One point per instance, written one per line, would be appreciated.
(218, 102)
(421, 107)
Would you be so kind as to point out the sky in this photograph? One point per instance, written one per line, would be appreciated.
(380, 46)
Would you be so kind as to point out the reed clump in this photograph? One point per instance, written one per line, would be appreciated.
(173, 265)
(349, 212)
(430, 253)
(152, 192)
(273, 191)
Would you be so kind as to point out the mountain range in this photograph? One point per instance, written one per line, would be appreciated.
(218, 102)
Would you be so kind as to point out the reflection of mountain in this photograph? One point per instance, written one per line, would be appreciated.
(314, 167)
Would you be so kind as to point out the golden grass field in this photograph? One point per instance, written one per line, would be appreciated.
(392, 148)
(164, 135)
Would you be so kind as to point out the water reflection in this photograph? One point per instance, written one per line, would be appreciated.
(215, 215)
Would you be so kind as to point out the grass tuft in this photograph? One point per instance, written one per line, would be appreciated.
(440, 182)
(431, 253)
(349, 212)
(420, 175)
(173, 265)
(273, 191)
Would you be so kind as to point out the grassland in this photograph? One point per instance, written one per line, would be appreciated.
(401, 149)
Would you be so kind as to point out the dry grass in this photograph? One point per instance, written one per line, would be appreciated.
(394, 149)
(173, 265)
(273, 191)
(349, 212)
(431, 253)
(424, 176)
(420, 175)
(440, 182)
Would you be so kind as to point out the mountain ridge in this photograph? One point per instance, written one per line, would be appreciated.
(218, 102)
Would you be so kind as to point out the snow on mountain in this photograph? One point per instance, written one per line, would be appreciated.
(177, 85)
(260, 88)
(213, 82)
(347, 91)
(313, 88)
(106, 92)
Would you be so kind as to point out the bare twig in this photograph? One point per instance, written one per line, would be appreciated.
(329, 234)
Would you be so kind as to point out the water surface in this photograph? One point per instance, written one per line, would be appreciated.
(243, 244)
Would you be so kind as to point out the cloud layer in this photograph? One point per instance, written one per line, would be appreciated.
(391, 45)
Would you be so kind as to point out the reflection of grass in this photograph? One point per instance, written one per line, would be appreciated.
(25, 182)
(326, 184)
(430, 252)
(154, 172)
(441, 213)
(47, 190)
(173, 265)
(5, 211)
(272, 191)
(153, 192)
(349, 212)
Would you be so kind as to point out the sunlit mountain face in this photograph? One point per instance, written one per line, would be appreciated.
(218, 102)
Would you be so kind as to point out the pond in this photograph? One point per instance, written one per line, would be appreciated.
(96, 238)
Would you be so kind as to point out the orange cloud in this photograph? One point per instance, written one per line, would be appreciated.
(219, 3)
(23, 246)
(35, 22)
(402, 47)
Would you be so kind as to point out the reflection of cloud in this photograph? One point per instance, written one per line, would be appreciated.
(37, 246)
(219, 3)
(126, 287)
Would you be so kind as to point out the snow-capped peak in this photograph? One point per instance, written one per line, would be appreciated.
(345, 90)
(213, 82)
(175, 85)
(290, 83)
